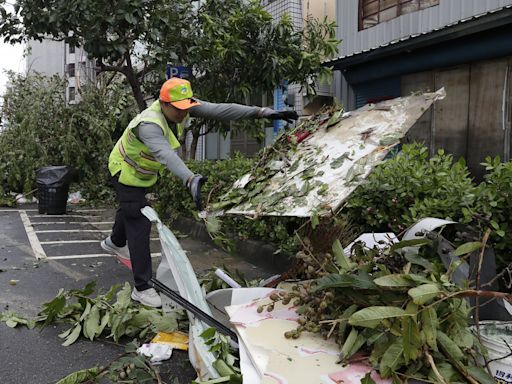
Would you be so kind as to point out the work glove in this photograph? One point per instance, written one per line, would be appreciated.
(269, 113)
(194, 184)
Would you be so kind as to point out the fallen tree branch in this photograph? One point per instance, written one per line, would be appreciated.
(434, 367)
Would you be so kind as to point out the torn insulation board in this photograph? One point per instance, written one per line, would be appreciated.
(315, 167)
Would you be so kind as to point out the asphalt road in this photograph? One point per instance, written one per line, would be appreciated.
(71, 257)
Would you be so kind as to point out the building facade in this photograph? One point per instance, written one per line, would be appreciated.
(393, 48)
(51, 57)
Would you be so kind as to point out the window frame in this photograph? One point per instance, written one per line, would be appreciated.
(399, 4)
(71, 65)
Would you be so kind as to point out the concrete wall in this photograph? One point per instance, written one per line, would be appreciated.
(46, 57)
(52, 58)
(447, 12)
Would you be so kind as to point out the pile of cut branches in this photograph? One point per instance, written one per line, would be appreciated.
(397, 306)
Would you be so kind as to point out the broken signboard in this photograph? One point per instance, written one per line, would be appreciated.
(315, 167)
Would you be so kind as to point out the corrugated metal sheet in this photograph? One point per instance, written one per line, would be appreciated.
(405, 26)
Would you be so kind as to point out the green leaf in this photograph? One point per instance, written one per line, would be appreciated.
(73, 336)
(80, 376)
(341, 259)
(86, 310)
(124, 297)
(480, 374)
(372, 316)
(213, 224)
(394, 281)
(418, 260)
(367, 379)
(348, 344)
(334, 280)
(66, 333)
(208, 333)
(391, 359)
(430, 323)
(91, 325)
(424, 293)
(53, 308)
(11, 323)
(449, 347)
(411, 339)
(314, 220)
(467, 248)
(103, 324)
(409, 243)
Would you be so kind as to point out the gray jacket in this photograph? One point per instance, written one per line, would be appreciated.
(153, 137)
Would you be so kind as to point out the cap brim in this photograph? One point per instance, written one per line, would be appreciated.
(185, 104)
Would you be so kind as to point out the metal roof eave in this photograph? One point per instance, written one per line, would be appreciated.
(475, 24)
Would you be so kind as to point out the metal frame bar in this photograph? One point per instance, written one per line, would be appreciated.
(187, 305)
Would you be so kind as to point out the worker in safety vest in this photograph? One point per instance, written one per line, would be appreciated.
(145, 149)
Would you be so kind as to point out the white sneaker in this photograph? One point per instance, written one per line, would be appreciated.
(147, 297)
(110, 247)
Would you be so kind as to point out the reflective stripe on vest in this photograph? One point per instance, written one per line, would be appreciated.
(132, 162)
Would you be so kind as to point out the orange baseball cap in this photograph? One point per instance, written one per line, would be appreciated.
(178, 92)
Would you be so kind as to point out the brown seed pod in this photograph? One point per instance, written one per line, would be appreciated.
(260, 309)
(274, 296)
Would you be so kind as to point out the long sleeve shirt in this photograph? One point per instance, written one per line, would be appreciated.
(153, 137)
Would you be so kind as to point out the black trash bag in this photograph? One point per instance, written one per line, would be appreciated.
(52, 187)
(54, 176)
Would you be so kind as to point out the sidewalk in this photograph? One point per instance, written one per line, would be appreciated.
(72, 259)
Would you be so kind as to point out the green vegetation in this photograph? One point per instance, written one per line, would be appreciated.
(41, 129)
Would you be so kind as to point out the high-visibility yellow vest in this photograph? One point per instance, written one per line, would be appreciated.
(132, 158)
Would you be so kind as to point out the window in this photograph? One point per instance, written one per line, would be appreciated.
(373, 12)
(71, 70)
(71, 96)
(71, 49)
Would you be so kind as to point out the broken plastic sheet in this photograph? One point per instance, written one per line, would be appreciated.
(184, 277)
(340, 157)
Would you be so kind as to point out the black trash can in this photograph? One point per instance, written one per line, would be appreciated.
(52, 189)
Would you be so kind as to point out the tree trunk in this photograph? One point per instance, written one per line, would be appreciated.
(193, 145)
(134, 84)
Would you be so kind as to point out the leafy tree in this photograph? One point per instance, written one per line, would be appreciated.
(233, 46)
(43, 129)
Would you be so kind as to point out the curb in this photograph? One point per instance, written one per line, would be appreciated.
(257, 253)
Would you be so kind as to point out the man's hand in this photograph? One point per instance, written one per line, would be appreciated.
(194, 184)
(269, 113)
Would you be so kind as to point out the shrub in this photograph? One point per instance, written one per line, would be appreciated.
(494, 207)
(409, 187)
(41, 129)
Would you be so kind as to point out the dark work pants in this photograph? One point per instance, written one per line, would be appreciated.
(132, 226)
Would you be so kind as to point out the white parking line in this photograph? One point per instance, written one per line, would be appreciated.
(79, 241)
(39, 252)
(74, 230)
(36, 210)
(73, 222)
(79, 216)
(91, 255)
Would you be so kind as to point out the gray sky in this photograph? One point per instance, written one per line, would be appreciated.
(11, 58)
